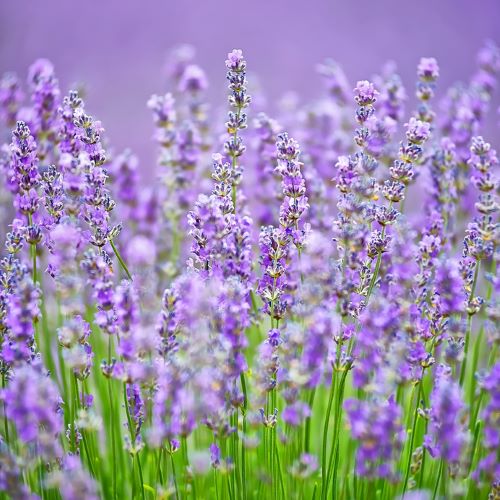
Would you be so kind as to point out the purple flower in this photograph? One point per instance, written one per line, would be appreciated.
(392, 95)
(136, 409)
(428, 69)
(11, 481)
(449, 288)
(195, 380)
(74, 337)
(215, 455)
(446, 437)
(365, 93)
(335, 80)
(11, 98)
(376, 425)
(100, 278)
(268, 363)
(305, 466)
(22, 311)
(33, 404)
(25, 168)
(45, 96)
(417, 132)
(235, 61)
(193, 79)
(296, 413)
(267, 130)
(275, 243)
(164, 114)
(488, 468)
(124, 173)
(73, 480)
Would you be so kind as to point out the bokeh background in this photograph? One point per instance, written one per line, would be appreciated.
(118, 48)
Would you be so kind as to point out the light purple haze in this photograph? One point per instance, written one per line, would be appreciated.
(117, 48)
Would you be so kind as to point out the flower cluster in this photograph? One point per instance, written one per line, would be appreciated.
(231, 325)
(376, 424)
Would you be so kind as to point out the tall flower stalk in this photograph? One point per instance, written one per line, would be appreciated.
(274, 363)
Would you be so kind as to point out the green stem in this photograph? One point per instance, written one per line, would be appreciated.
(216, 484)
(236, 472)
(412, 438)
(463, 368)
(333, 462)
(185, 455)
(280, 472)
(174, 473)
(377, 266)
(112, 424)
(132, 438)
(139, 467)
(84, 438)
(33, 251)
(308, 422)
(475, 360)
(337, 431)
(326, 425)
(438, 479)
(159, 475)
(477, 432)
(120, 260)
(233, 161)
(5, 422)
(244, 417)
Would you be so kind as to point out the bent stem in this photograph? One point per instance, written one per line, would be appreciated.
(412, 438)
(120, 259)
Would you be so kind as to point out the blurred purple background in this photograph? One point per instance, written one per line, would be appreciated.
(118, 48)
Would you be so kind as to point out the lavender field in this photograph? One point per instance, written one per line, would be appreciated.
(300, 302)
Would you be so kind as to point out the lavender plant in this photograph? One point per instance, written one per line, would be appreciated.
(322, 323)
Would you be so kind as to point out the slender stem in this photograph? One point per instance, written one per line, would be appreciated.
(233, 161)
(463, 368)
(314, 491)
(475, 359)
(308, 422)
(326, 425)
(422, 467)
(235, 439)
(159, 475)
(139, 467)
(5, 421)
(185, 454)
(244, 417)
(438, 479)
(112, 424)
(332, 461)
(377, 266)
(120, 260)
(133, 438)
(338, 418)
(174, 474)
(83, 432)
(33, 251)
(475, 441)
(280, 472)
(412, 438)
(216, 484)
